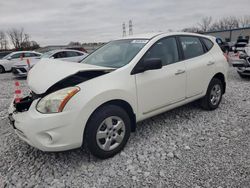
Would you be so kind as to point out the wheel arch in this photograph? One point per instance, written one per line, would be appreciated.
(221, 77)
(123, 104)
(3, 68)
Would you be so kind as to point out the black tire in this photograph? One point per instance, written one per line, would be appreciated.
(206, 102)
(93, 126)
(2, 70)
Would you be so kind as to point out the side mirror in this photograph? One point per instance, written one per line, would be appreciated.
(147, 64)
(9, 58)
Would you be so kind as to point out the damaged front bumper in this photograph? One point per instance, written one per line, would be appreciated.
(47, 132)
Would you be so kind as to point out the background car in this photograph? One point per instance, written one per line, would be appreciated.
(65, 55)
(240, 45)
(8, 61)
(4, 53)
(21, 69)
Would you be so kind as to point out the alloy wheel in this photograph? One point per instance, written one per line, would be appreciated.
(110, 133)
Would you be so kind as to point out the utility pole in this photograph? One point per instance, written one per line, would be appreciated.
(130, 27)
(123, 30)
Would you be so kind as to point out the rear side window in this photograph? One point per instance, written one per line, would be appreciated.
(208, 43)
(71, 54)
(59, 55)
(166, 50)
(30, 55)
(79, 54)
(191, 46)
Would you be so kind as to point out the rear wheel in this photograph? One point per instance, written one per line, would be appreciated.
(2, 70)
(213, 96)
(107, 131)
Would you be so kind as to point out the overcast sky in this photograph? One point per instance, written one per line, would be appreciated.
(61, 21)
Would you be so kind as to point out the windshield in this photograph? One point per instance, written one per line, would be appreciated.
(47, 54)
(116, 54)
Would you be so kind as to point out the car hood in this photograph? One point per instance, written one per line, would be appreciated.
(49, 72)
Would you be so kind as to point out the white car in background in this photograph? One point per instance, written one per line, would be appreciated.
(8, 61)
(21, 69)
(97, 103)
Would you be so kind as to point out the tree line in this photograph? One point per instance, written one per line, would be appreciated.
(18, 38)
(208, 24)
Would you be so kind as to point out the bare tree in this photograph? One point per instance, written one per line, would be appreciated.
(3, 41)
(205, 24)
(191, 29)
(226, 23)
(244, 21)
(18, 37)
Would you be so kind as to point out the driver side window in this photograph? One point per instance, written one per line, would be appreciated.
(165, 49)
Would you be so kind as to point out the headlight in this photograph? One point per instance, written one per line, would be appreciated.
(55, 102)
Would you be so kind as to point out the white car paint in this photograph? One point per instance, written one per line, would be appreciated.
(14, 58)
(148, 93)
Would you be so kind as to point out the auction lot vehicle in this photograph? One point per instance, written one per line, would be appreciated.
(97, 103)
(21, 69)
(4, 53)
(8, 61)
(65, 55)
(243, 65)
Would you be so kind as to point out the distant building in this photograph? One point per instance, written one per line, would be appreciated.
(231, 35)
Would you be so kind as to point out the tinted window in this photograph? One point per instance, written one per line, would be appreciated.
(79, 54)
(71, 54)
(18, 55)
(165, 49)
(209, 44)
(60, 55)
(191, 46)
(30, 55)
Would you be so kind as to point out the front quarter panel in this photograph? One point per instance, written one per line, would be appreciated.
(117, 85)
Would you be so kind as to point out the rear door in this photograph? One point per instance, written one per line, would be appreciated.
(199, 65)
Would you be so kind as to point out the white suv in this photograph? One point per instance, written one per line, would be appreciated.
(98, 102)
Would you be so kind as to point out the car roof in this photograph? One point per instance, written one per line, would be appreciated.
(61, 50)
(25, 52)
(152, 35)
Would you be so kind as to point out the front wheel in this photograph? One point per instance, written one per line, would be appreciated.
(2, 70)
(107, 131)
(213, 96)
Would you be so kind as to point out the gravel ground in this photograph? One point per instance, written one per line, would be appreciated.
(186, 147)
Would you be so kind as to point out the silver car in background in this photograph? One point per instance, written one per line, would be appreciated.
(22, 68)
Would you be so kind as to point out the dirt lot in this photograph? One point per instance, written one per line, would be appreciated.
(186, 147)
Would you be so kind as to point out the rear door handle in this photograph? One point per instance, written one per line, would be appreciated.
(180, 72)
(210, 63)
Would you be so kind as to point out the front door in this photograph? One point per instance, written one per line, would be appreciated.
(157, 89)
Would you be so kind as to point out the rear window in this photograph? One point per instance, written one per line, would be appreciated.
(191, 46)
(208, 43)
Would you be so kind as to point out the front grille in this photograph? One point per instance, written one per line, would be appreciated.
(23, 70)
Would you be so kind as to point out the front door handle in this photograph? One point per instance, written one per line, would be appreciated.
(210, 63)
(180, 72)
